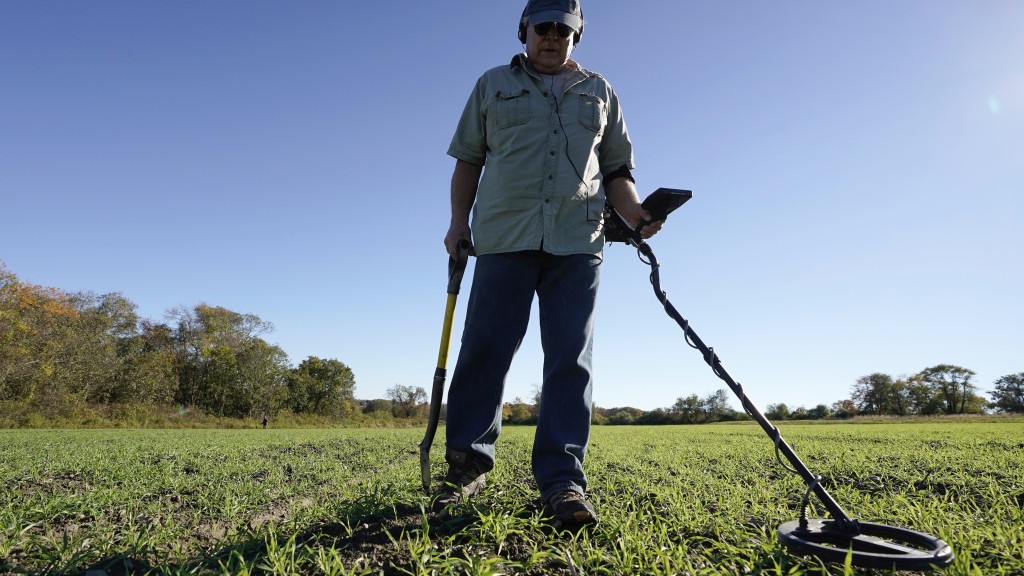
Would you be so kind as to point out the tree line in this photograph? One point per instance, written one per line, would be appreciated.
(686, 410)
(61, 350)
(941, 389)
(944, 389)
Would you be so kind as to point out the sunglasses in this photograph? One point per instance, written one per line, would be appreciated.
(564, 30)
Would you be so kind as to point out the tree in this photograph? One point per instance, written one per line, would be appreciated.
(321, 386)
(149, 372)
(656, 416)
(716, 406)
(899, 401)
(844, 408)
(953, 386)
(223, 365)
(299, 385)
(777, 412)
(872, 393)
(819, 412)
(60, 349)
(100, 347)
(262, 372)
(623, 415)
(377, 405)
(1009, 393)
(687, 410)
(406, 400)
(34, 325)
(519, 412)
(921, 398)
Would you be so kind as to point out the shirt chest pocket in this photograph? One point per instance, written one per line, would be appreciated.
(512, 108)
(593, 114)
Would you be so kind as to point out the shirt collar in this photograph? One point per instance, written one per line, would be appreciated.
(519, 61)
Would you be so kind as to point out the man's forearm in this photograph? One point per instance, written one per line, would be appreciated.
(465, 180)
(621, 193)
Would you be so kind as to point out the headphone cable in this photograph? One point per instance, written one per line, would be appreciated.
(565, 137)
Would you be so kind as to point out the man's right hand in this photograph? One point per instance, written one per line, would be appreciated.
(456, 233)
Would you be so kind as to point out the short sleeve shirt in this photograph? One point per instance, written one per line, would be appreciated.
(543, 158)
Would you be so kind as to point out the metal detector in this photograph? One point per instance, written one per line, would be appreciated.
(456, 268)
(832, 540)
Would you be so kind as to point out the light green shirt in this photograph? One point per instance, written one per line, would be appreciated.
(543, 158)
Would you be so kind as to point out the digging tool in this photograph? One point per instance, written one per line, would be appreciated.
(456, 268)
(868, 545)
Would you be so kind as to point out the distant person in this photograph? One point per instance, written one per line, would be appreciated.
(266, 420)
(540, 144)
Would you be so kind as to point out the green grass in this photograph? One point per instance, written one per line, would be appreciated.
(673, 500)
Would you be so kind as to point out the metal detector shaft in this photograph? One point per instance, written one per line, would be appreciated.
(456, 269)
(838, 514)
(841, 539)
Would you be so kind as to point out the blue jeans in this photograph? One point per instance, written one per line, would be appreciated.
(496, 321)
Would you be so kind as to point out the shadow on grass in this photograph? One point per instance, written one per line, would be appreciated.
(374, 538)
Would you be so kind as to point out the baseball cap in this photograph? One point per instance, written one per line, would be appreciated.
(567, 12)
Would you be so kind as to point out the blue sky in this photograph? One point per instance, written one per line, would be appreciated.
(857, 170)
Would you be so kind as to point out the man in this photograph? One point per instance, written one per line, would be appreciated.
(540, 144)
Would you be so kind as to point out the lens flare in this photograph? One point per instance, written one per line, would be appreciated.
(993, 105)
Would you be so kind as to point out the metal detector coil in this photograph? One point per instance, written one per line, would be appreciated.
(872, 546)
(867, 545)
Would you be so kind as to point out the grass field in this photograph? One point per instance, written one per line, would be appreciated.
(673, 500)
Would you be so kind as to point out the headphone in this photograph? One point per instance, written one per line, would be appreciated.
(523, 23)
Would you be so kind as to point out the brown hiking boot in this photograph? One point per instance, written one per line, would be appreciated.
(465, 479)
(570, 509)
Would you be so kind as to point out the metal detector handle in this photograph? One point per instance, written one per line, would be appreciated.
(659, 203)
(456, 269)
(617, 230)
